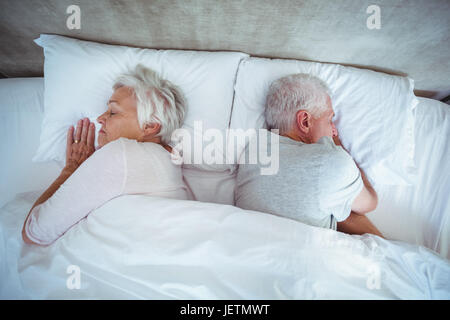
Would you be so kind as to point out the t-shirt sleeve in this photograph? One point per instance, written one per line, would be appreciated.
(341, 183)
(98, 179)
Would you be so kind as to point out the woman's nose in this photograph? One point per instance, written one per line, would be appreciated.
(100, 119)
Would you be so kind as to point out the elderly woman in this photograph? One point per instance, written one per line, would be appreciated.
(133, 158)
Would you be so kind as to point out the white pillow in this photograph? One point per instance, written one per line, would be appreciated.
(374, 111)
(79, 76)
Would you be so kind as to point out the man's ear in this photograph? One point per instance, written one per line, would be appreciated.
(303, 121)
(151, 129)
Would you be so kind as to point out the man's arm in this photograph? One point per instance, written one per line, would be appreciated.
(367, 200)
(358, 224)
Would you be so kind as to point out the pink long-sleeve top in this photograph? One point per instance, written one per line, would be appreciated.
(120, 167)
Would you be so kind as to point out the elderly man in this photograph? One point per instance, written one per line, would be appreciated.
(317, 183)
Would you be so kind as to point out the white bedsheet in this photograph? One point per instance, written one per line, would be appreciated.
(155, 248)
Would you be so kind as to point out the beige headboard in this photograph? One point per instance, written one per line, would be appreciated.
(413, 39)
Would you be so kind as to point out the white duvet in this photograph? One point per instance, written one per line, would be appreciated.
(137, 247)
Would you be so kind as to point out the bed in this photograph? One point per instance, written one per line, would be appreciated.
(185, 249)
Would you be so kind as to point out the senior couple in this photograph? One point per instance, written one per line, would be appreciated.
(326, 188)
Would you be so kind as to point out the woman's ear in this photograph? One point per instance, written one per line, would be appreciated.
(303, 121)
(151, 129)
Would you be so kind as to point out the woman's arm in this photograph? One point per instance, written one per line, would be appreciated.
(77, 151)
(46, 195)
(97, 180)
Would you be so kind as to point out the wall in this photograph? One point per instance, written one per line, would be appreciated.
(413, 39)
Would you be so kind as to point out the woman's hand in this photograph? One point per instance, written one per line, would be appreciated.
(79, 146)
(78, 150)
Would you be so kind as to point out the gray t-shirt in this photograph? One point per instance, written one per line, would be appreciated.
(316, 183)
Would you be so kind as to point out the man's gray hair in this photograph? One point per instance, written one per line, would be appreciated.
(289, 94)
(158, 100)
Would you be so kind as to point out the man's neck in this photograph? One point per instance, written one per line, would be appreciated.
(292, 135)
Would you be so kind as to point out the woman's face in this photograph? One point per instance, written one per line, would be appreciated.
(120, 120)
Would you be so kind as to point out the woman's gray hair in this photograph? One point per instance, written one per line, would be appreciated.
(158, 100)
(289, 94)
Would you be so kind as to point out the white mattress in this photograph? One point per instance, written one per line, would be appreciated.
(417, 214)
(21, 114)
(420, 213)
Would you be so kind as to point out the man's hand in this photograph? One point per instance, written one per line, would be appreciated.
(81, 147)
